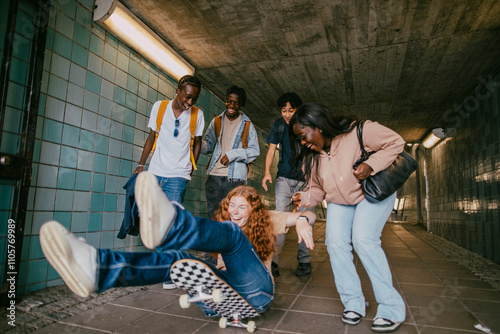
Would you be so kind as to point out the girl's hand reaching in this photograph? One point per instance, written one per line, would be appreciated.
(304, 233)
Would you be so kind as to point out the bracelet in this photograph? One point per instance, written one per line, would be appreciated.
(140, 166)
(303, 217)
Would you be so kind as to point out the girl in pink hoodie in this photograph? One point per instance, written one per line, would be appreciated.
(328, 147)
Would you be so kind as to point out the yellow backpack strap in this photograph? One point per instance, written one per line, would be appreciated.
(192, 127)
(217, 126)
(159, 119)
(244, 135)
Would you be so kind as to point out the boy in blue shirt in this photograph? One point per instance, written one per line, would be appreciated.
(289, 180)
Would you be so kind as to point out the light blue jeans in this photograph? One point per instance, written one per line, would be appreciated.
(361, 226)
(284, 189)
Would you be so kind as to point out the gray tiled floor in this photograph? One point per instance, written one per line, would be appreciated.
(441, 297)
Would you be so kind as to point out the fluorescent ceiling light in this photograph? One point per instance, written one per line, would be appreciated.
(430, 140)
(127, 27)
(436, 135)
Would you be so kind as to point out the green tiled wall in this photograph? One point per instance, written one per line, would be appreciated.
(95, 103)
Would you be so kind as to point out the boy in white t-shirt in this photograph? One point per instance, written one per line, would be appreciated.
(171, 160)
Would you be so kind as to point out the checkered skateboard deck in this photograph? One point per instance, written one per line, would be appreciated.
(203, 285)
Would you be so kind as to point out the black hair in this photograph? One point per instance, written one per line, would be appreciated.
(316, 116)
(238, 91)
(189, 80)
(294, 99)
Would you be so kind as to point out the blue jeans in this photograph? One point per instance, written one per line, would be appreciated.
(245, 272)
(284, 189)
(173, 187)
(361, 226)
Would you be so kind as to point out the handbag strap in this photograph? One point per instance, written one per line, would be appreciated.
(359, 130)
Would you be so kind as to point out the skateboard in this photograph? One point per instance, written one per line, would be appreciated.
(203, 285)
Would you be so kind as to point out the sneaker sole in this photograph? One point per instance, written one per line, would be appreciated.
(148, 209)
(169, 286)
(350, 323)
(147, 191)
(386, 330)
(57, 250)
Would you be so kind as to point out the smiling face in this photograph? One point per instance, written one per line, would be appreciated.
(233, 106)
(239, 210)
(187, 97)
(287, 112)
(310, 138)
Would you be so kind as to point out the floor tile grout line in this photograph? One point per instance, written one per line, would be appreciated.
(287, 310)
(446, 286)
(85, 327)
(413, 320)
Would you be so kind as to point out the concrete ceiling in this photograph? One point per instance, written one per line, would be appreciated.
(403, 63)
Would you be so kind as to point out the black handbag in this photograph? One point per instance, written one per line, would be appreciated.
(383, 184)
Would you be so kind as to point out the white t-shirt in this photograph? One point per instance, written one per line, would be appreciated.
(171, 157)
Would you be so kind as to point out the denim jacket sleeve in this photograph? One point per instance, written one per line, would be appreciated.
(209, 140)
(249, 154)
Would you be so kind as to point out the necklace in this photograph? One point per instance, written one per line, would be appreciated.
(327, 150)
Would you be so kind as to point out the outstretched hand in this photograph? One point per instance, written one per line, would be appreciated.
(304, 233)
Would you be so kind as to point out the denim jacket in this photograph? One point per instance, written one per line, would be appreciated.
(238, 156)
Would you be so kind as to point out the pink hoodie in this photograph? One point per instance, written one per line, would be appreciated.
(335, 181)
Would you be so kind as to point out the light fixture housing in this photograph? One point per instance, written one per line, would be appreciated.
(127, 27)
(436, 135)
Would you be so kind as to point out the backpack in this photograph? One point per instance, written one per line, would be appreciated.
(192, 126)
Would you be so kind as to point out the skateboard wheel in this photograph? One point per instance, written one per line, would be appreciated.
(223, 322)
(251, 326)
(217, 296)
(184, 301)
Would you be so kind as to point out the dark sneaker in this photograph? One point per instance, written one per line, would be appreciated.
(275, 269)
(383, 325)
(304, 269)
(351, 318)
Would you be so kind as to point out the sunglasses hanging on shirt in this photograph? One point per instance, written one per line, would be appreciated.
(176, 131)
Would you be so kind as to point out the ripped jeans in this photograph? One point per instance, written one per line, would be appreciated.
(245, 272)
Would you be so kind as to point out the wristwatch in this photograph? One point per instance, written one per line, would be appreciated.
(304, 218)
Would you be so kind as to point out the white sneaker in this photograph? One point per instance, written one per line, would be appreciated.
(169, 286)
(383, 325)
(73, 259)
(156, 212)
(351, 318)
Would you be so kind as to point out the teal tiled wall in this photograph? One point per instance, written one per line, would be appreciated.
(96, 98)
(13, 113)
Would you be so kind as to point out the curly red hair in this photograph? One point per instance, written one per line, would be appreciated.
(258, 229)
